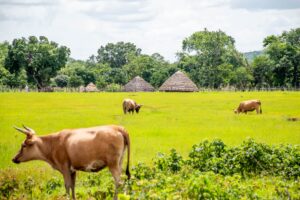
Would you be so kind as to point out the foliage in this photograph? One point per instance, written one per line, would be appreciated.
(117, 55)
(173, 162)
(8, 185)
(208, 57)
(263, 71)
(172, 177)
(113, 88)
(249, 158)
(242, 78)
(61, 80)
(77, 70)
(154, 69)
(284, 52)
(75, 81)
(211, 58)
(39, 57)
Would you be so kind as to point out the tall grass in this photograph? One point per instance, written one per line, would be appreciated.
(166, 120)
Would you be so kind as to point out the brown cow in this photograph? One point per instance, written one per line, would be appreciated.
(85, 149)
(130, 105)
(249, 105)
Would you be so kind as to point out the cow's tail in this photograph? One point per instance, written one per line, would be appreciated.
(259, 103)
(127, 143)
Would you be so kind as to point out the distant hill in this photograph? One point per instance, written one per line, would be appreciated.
(252, 54)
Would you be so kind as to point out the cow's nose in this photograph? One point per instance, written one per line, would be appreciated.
(15, 161)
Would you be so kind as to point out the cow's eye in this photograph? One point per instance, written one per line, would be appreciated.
(23, 145)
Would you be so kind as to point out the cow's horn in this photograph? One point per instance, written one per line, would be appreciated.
(21, 130)
(29, 129)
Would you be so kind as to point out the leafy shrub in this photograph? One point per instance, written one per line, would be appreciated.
(113, 88)
(212, 171)
(207, 156)
(249, 158)
(8, 185)
(173, 162)
(53, 184)
(142, 171)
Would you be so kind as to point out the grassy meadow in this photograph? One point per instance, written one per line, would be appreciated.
(166, 120)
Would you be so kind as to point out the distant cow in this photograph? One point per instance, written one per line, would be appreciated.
(249, 105)
(130, 105)
(85, 149)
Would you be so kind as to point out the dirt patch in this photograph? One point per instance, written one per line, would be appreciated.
(293, 119)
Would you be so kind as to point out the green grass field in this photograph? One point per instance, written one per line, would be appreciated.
(167, 120)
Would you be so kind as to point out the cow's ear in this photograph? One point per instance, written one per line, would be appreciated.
(29, 142)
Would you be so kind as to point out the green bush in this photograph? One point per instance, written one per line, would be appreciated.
(251, 158)
(8, 185)
(211, 171)
(173, 162)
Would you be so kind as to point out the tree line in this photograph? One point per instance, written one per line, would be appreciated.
(209, 58)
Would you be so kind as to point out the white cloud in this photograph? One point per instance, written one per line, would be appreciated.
(153, 25)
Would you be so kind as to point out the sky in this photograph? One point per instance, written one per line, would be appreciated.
(155, 26)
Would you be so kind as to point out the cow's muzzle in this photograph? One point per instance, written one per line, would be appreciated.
(15, 160)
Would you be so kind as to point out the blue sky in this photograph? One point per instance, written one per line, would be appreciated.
(153, 25)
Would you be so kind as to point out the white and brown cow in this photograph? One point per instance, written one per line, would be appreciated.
(130, 105)
(249, 105)
(84, 149)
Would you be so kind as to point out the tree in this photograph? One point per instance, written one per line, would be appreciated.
(284, 52)
(209, 56)
(242, 78)
(262, 71)
(61, 80)
(3, 53)
(75, 81)
(117, 76)
(117, 55)
(101, 83)
(153, 69)
(39, 57)
(8, 79)
(79, 68)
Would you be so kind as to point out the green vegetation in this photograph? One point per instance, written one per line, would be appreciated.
(208, 57)
(212, 171)
(38, 57)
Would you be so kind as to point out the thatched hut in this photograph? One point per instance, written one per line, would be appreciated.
(91, 87)
(178, 82)
(138, 84)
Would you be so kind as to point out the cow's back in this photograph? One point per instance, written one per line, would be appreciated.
(93, 147)
(249, 105)
(128, 104)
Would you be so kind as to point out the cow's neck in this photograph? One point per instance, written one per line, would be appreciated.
(47, 146)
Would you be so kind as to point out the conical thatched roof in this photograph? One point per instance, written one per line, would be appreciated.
(138, 84)
(91, 87)
(178, 82)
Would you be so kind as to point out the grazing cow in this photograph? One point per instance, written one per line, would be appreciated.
(130, 105)
(85, 149)
(249, 105)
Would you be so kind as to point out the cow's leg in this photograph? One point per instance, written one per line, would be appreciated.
(68, 181)
(116, 173)
(121, 161)
(73, 179)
